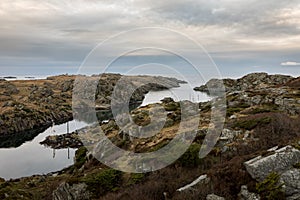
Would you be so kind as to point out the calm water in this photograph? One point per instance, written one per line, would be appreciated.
(32, 158)
(184, 92)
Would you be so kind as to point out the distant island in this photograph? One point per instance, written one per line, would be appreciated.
(9, 77)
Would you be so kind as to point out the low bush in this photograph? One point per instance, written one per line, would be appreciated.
(104, 181)
(252, 123)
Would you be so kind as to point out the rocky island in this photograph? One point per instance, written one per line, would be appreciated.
(257, 155)
(30, 106)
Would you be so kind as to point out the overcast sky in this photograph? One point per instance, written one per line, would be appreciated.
(57, 35)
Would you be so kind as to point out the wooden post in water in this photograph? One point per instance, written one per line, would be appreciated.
(68, 129)
(68, 153)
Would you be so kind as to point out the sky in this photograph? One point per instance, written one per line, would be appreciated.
(55, 36)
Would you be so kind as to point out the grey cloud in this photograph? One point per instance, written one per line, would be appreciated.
(67, 30)
(251, 17)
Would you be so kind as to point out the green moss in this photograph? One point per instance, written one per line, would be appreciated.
(252, 123)
(191, 157)
(80, 157)
(172, 106)
(135, 178)
(104, 181)
(270, 188)
(231, 111)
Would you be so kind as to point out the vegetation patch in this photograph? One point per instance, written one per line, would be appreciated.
(136, 178)
(252, 123)
(80, 157)
(173, 106)
(231, 111)
(270, 188)
(191, 157)
(104, 181)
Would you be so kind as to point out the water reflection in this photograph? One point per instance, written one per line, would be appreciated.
(32, 158)
(184, 92)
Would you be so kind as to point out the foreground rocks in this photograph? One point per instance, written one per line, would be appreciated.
(282, 162)
(74, 192)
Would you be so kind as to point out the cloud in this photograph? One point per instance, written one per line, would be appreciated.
(66, 30)
(290, 64)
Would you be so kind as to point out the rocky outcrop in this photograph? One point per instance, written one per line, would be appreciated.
(74, 192)
(250, 81)
(282, 162)
(31, 104)
(69, 140)
(257, 89)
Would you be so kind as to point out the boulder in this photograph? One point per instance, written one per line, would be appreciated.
(280, 161)
(74, 192)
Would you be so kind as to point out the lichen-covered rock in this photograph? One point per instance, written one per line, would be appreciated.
(291, 181)
(74, 192)
(282, 159)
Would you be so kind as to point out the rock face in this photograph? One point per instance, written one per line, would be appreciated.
(250, 81)
(282, 162)
(74, 192)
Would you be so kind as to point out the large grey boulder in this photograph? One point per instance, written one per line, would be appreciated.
(280, 161)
